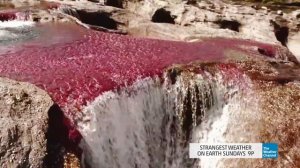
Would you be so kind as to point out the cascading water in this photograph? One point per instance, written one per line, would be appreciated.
(150, 123)
(146, 124)
(15, 30)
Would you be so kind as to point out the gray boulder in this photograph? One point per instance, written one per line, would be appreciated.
(23, 124)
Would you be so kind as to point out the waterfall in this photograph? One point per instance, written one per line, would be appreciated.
(151, 123)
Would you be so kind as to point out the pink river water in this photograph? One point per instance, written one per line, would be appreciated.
(75, 65)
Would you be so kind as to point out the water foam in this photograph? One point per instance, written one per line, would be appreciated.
(15, 24)
(13, 30)
(150, 124)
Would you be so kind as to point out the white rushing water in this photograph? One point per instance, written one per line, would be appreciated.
(149, 124)
(15, 24)
(14, 30)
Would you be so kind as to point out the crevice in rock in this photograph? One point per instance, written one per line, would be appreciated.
(95, 1)
(173, 73)
(266, 52)
(295, 4)
(163, 16)
(55, 135)
(58, 142)
(281, 33)
(101, 19)
(191, 2)
(229, 24)
(187, 118)
(114, 3)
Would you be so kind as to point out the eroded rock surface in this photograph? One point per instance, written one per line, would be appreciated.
(178, 20)
(23, 124)
(190, 21)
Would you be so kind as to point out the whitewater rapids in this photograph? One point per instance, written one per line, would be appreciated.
(12, 30)
(149, 124)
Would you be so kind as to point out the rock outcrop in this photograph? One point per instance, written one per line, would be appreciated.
(23, 124)
(179, 20)
(182, 20)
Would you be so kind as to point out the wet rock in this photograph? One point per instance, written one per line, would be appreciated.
(23, 124)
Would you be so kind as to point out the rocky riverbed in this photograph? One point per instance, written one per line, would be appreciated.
(130, 83)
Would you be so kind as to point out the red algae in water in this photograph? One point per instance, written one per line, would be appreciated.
(78, 70)
(13, 14)
(75, 70)
(76, 65)
(7, 15)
